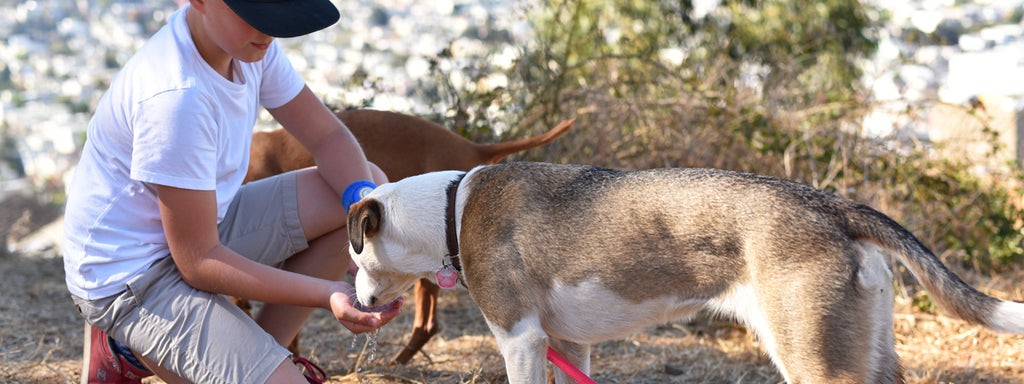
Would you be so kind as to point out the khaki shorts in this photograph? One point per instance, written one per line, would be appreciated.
(199, 335)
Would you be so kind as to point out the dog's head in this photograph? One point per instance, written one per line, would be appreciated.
(396, 236)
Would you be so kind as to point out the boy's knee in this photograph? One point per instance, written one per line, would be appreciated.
(379, 177)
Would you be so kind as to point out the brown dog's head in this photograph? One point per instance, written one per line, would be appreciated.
(396, 236)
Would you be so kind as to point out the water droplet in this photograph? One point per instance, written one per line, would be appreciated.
(372, 338)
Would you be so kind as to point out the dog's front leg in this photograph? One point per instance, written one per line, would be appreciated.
(524, 348)
(577, 354)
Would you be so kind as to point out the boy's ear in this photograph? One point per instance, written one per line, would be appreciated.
(199, 5)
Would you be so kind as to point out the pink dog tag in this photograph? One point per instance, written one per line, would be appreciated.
(447, 277)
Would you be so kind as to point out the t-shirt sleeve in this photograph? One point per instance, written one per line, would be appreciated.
(281, 82)
(174, 141)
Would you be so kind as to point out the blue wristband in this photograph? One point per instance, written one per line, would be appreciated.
(355, 192)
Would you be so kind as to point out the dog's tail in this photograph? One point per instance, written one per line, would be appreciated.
(945, 287)
(492, 153)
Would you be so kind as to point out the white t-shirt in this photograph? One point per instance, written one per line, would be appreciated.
(168, 119)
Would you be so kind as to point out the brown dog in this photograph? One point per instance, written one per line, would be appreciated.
(402, 146)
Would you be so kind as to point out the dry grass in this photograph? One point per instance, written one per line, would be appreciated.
(40, 342)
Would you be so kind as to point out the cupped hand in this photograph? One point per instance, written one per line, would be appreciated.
(350, 316)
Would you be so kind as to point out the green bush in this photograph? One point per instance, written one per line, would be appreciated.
(771, 87)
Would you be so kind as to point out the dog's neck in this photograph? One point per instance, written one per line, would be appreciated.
(451, 237)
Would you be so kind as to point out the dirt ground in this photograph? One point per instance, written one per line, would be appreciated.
(41, 337)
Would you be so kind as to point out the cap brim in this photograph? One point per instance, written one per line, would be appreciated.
(286, 18)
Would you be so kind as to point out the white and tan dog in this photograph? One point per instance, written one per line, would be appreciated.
(569, 256)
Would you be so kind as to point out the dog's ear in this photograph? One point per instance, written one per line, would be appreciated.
(363, 221)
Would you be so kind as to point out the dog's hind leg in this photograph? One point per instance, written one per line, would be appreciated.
(524, 348)
(833, 328)
(577, 354)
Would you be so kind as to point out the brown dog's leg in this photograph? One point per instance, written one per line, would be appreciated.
(242, 303)
(425, 324)
(293, 347)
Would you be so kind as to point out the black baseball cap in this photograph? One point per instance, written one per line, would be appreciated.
(286, 18)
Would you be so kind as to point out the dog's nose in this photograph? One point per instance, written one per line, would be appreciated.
(373, 300)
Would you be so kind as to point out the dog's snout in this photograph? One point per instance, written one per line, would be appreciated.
(373, 300)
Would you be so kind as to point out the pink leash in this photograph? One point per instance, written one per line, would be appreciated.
(568, 368)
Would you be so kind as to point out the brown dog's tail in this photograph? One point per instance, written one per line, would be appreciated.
(492, 153)
(946, 288)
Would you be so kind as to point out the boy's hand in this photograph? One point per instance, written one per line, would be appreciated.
(344, 309)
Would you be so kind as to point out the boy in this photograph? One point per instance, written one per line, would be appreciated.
(158, 227)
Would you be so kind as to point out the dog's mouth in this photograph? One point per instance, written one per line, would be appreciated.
(379, 308)
(382, 290)
(369, 299)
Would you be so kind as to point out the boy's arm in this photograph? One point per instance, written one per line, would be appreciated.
(339, 158)
(190, 222)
